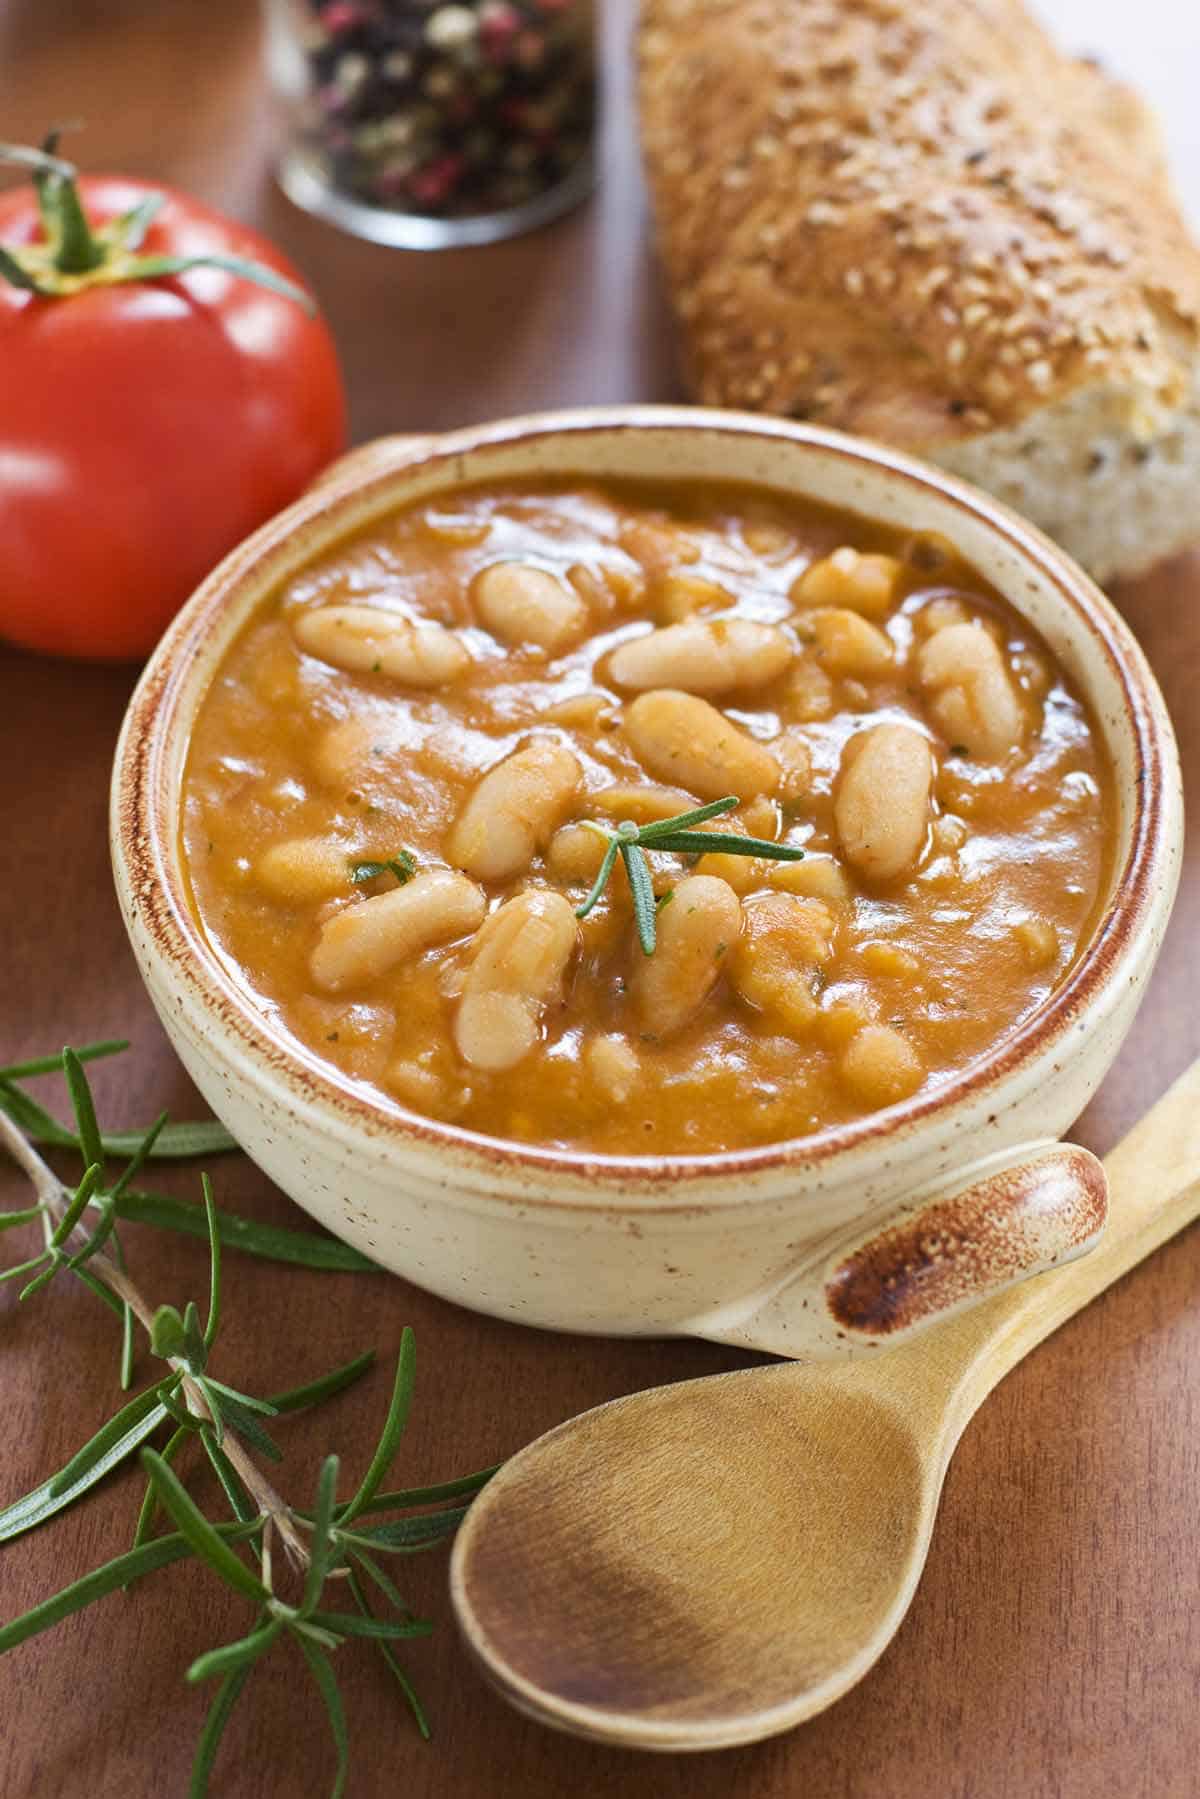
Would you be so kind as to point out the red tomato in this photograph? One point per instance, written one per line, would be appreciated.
(147, 426)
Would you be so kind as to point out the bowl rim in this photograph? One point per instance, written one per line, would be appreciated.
(148, 872)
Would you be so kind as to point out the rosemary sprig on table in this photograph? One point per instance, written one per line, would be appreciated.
(674, 835)
(333, 1542)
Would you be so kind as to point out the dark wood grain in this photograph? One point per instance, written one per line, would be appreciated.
(1054, 1647)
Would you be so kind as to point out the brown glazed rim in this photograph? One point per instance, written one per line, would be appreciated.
(145, 816)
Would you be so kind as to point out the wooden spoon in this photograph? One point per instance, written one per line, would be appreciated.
(709, 1563)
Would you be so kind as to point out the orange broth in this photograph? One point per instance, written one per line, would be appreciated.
(850, 991)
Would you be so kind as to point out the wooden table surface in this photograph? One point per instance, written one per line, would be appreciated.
(1054, 1645)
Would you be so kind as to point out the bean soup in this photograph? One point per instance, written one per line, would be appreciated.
(424, 792)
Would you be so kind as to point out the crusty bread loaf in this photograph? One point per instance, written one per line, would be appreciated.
(919, 220)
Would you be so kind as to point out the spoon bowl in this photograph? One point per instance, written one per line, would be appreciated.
(707, 1564)
(736, 1531)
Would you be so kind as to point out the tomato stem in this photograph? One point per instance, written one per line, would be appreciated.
(75, 250)
(73, 256)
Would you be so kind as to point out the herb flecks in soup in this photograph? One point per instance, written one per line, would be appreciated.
(417, 761)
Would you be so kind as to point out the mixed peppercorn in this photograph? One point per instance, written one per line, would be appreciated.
(452, 110)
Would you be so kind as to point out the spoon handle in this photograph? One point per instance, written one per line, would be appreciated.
(1154, 1191)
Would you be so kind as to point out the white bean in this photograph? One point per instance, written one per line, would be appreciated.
(681, 738)
(678, 596)
(521, 956)
(574, 855)
(774, 965)
(864, 583)
(522, 604)
(817, 877)
(644, 805)
(794, 757)
(882, 805)
(972, 697)
(303, 869)
(695, 933)
(880, 1066)
(850, 645)
(368, 640)
(366, 939)
(703, 656)
(612, 1062)
(514, 809)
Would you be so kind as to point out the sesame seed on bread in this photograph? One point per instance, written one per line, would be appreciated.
(926, 224)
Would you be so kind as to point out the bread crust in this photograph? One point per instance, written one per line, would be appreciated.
(915, 219)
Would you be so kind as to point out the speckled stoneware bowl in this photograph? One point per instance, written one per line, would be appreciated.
(832, 1243)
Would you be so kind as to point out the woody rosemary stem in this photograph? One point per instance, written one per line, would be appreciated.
(53, 1196)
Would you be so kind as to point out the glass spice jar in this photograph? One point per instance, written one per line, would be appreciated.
(429, 123)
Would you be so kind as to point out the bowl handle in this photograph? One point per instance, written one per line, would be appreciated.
(1020, 1214)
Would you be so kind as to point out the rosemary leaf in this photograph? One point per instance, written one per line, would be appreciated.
(126, 1312)
(33, 1119)
(408, 1536)
(98, 1238)
(243, 1399)
(126, 1338)
(295, 1399)
(204, 1137)
(642, 893)
(174, 1142)
(393, 1429)
(322, 1672)
(240, 1503)
(682, 821)
(273, 1241)
(322, 1549)
(149, 1506)
(385, 1650)
(446, 1489)
(107, 1295)
(116, 1440)
(121, 1572)
(11, 1274)
(215, 1411)
(203, 1537)
(167, 1336)
(38, 1282)
(326, 1639)
(143, 1151)
(78, 1205)
(241, 1419)
(213, 1322)
(87, 1052)
(728, 843)
(354, 1624)
(383, 1581)
(177, 1410)
(218, 1717)
(601, 881)
(10, 1220)
(109, 1442)
(231, 1656)
(84, 1108)
(195, 1347)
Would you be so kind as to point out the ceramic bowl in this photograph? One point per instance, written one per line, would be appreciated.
(833, 1243)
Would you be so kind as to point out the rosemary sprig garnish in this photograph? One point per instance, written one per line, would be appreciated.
(677, 836)
(337, 1541)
